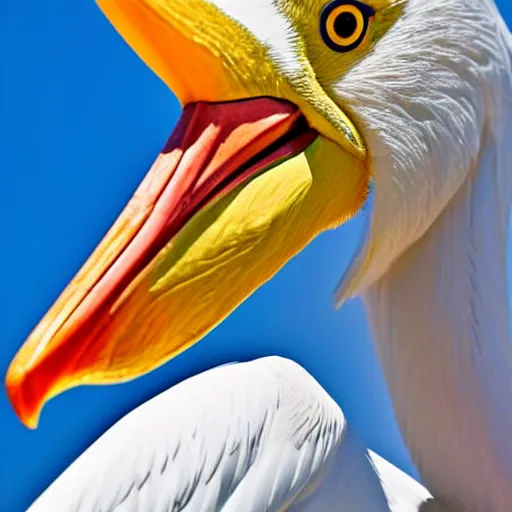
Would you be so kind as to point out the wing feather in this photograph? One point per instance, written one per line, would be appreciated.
(250, 436)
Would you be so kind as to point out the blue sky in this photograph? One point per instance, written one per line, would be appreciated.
(82, 119)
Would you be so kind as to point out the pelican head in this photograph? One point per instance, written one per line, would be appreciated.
(290, 109)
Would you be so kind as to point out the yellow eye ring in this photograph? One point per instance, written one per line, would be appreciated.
(344, 23)
(354, 23)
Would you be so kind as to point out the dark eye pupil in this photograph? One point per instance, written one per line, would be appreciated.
(345, 25)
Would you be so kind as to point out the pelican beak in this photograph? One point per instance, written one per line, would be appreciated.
(243, 184)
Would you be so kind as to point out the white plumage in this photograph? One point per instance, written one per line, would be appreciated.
(433, 270)
(251, 437)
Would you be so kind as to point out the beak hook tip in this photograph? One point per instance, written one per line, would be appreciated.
(25, 404)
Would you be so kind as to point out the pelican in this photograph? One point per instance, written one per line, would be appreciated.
(291, 109)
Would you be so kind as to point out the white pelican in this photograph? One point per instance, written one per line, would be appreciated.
(330, 94)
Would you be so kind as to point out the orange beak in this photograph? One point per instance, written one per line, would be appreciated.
(214, 148)
(241, 187)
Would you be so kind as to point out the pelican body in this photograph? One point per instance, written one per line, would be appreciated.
(291, 111)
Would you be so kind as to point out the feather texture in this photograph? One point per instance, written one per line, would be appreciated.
(259, 436)
(433, 271)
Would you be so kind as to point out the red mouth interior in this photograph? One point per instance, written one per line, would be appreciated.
(209, 168)
(213, 149)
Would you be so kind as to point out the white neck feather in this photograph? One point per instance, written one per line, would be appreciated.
(440, 322)
(433, 272)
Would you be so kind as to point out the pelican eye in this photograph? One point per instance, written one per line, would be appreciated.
(344, 23)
